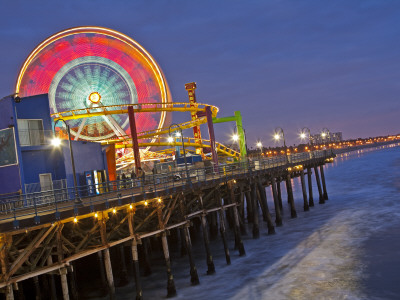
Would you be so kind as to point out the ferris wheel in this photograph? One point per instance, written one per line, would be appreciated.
(95, 68)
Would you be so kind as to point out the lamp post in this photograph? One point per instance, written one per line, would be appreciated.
(303, 135)
(56, 142)
(170, 139)
(278, 134)
(259, 145)
(325, 133)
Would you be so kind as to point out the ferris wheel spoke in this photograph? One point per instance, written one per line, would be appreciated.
(114, 126)
(80, 129)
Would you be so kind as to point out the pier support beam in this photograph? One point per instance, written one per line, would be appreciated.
(5, 266)
(171, 290)
(222, 229)
(249, 202)
(256, 227)
(135, 258)
(321, 168)
(263, 196)
(194, 277)
(321, 196)
(310, 192)
(278, 216)
(60, 257)
(289, 189)
(278, 187)
(106, 257)
(238, 239)
(53, 292)
(210, 262)
(304, 189)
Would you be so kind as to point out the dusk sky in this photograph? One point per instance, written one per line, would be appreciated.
(333, 64)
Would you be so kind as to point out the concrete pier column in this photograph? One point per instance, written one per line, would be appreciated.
(304, 189)
(268, 219)
(256, 227)
(171, 290)
(109, 273)
(278, 216)
(321, 168)
(278, 187)
(223, 236)
(289, 189)
(310, 192)
(321, 196)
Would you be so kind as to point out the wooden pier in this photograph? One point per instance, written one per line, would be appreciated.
(46, 241)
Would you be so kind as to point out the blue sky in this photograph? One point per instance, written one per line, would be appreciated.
(333, 64)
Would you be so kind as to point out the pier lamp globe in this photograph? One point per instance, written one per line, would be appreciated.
(302, 135)
(277, 137)
(235, 137)
(170, 139)
(56, 142)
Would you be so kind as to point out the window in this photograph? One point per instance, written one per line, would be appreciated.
(30, 132)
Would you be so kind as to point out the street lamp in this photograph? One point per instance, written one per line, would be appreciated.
(303, 135)
(57, 142)
(259, 145)
(170, 140)
(325, 133)
(278, 134)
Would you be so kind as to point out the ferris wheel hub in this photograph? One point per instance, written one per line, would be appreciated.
(94, 97)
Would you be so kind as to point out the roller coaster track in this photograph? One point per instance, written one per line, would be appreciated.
(155, 134)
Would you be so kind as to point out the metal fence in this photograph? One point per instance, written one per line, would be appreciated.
(62, 197)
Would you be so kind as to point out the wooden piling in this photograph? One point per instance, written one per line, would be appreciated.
(268, 219)
(289, 190)
(325, 194)
(53, 292)
(310, 191)
(278, 187)
(278, 216)
(321, 196)
(304, 190)
(194, 277)
(60, 257)
(249, 202)
(106, 257)
(210, 262)
(135, 257)
(256, 227)
(171, 290)
(238, 239)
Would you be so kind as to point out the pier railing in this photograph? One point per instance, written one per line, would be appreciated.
(35, 204)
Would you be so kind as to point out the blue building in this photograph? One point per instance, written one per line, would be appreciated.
(28, 160)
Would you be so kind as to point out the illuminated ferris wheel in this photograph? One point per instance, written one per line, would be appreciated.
(94, 68)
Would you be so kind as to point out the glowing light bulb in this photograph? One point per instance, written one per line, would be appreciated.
(56, 142)
(94, 97)
(75, 220)
(170, 139)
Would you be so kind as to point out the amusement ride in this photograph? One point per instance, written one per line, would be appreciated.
(100, 81)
